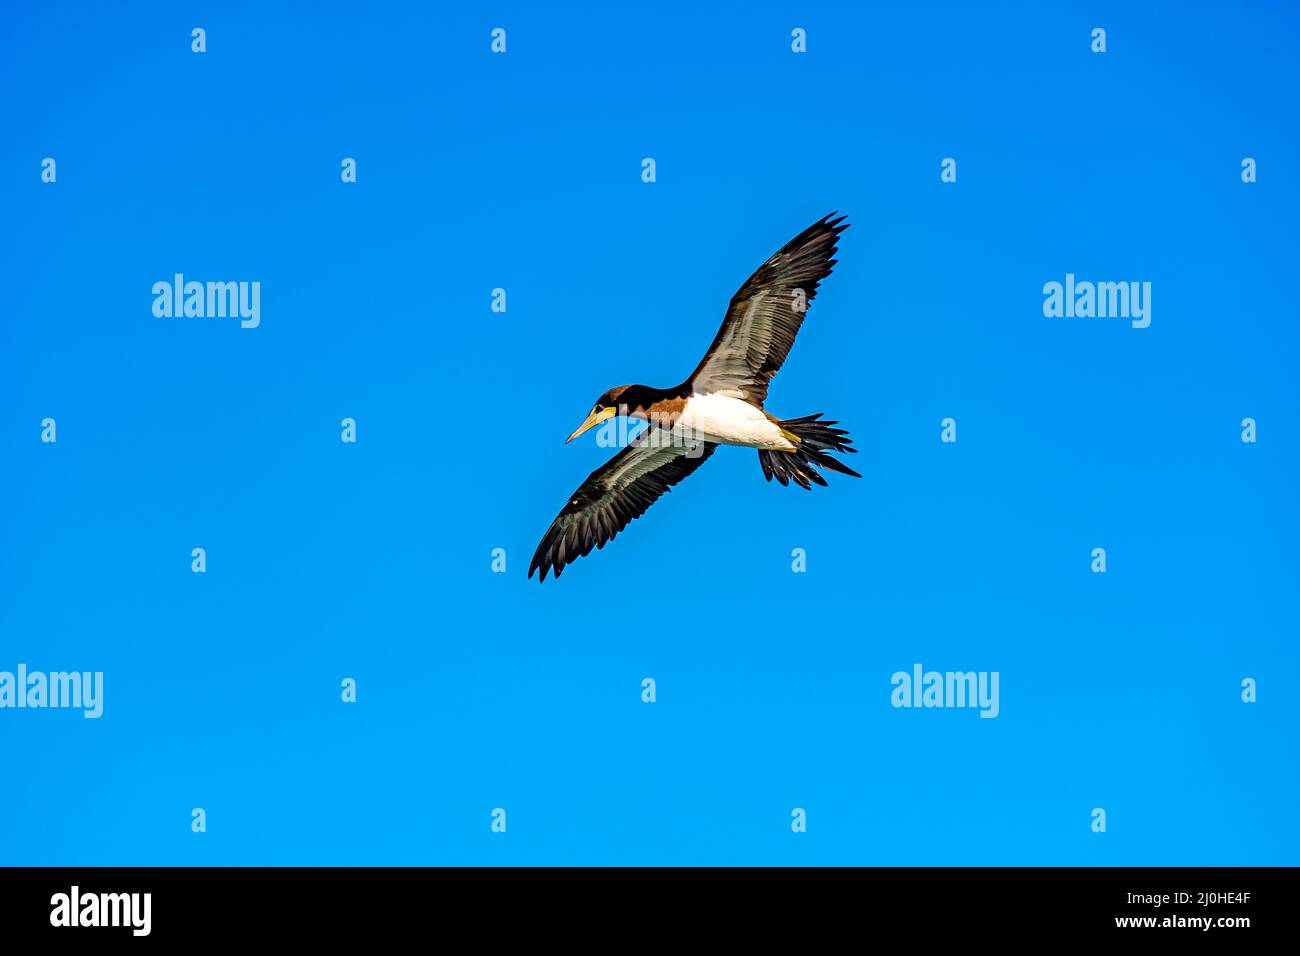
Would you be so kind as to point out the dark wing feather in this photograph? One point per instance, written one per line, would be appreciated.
(765, 315)
(616, 493)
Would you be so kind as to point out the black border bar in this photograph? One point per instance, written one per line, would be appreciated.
(333, 904)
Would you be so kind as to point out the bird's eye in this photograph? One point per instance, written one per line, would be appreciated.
(598, 409)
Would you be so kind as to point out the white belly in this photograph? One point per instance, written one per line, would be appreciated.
(730, 421)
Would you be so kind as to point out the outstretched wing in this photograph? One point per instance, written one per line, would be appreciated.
(615, 493)
(765, 315)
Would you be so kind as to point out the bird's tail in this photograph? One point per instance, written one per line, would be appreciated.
(813, 440)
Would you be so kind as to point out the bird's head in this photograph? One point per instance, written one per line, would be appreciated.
(615, 402)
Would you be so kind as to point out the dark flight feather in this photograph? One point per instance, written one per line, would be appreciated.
(766, 314)
(615, 494)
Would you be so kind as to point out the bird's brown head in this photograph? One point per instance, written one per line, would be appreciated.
(623, 400)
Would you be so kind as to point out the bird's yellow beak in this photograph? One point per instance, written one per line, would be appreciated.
(595, 418)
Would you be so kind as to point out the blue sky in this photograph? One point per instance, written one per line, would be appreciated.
(522, 171)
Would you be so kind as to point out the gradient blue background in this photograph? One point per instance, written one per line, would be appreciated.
(481, 690)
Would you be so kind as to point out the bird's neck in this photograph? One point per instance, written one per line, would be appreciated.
(659, 406)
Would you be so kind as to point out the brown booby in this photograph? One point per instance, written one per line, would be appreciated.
(721, 403)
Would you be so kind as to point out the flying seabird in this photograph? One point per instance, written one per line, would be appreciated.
(721, 403)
